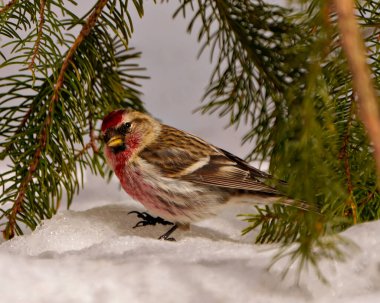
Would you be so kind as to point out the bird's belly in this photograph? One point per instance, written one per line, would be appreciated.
(176, 201)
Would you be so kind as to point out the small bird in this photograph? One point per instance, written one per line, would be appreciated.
(177, 176)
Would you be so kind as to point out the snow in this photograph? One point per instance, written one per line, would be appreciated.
(95, 255)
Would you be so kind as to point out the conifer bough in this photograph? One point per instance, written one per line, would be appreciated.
(9, 231)
(354, 48)
(43, 133)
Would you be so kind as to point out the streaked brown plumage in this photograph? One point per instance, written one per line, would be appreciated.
(176, 175)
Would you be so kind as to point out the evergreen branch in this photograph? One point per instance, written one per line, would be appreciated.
(284, 74)
(258, 45)
(354, 48)
(89, 145)
(8, 6)
(9, 231)
(345, 157)
(93, 139)
(44, 119)
(36, 47)
(86, 29)
(368, 198)
(19, 128)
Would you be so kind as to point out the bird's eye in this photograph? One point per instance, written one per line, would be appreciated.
(124, 128)
(106, 136)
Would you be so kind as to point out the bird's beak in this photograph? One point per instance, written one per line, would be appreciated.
(115, 141)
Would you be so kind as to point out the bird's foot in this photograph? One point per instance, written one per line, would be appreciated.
(148, 219)
(166, 236)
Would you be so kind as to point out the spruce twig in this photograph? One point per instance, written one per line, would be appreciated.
(282, 73)
(86, 29)
(89, 145)
(354, 48)
(47, 113)
(8, 6)
(345, 157)
(39, 36)
(9, 231)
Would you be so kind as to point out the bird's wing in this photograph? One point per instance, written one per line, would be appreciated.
(222, 171)
(184, 156)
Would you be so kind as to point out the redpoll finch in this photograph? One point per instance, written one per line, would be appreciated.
(178, 176)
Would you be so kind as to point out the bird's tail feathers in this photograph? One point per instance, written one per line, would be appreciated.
(277, 199)
(298, 204)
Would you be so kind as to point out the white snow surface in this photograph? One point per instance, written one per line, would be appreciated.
(95, 255)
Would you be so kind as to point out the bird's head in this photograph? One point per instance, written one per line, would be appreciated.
(126, 132)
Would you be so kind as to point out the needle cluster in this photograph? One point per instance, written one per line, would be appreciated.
(51, 101)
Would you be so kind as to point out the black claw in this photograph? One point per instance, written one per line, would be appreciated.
(167, 239)
(148, 219)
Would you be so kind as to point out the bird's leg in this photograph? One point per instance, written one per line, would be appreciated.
(182, 226)
(148, 219)
(166, 236)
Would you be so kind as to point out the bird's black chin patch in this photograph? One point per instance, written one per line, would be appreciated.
(118, 149)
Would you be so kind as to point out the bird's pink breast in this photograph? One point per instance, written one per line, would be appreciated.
(161, 196)
(132, 178)
(133, 182)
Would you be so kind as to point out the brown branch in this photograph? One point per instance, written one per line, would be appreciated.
(86, 29)
(83, 151)
(90, 145)
(8, 6)
(9, 231)
(354, 48)
(367, 199)
(39, 35)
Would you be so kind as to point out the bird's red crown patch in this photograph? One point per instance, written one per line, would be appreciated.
(112, 119)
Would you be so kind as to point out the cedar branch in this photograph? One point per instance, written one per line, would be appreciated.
(9, 231)
(354, 48)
